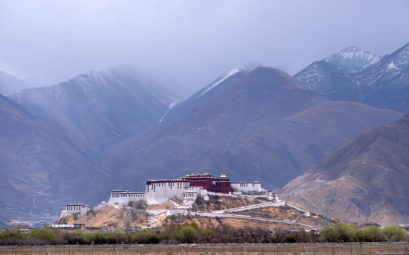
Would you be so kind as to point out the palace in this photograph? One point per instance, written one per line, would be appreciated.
(186, 188)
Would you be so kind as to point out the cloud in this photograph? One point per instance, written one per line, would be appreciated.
(186, 44)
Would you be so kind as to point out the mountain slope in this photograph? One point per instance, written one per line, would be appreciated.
(386, 83)
(55, 134)
(212, 90)
(356, 75)
(365, 181)
(10, 84)
(34, 159)
(265, 126)
(98, 109)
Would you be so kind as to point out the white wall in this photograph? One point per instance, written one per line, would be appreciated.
(247, 187)
(71, 209)
(162, 192)
(118, 199)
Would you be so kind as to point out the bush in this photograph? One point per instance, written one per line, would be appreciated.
(370, 234)
(290, 238)
(338, 233)
(394, 233)
(187, 234)
(42, 234)
(145, 236)
(329, 234)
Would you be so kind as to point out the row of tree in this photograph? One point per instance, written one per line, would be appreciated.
(192, 233)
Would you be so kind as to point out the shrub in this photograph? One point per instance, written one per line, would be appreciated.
(187, 234)
(329, 234)
(290, 238)
(145, 236)
(42, 234)
(394, 233)
(370, 234)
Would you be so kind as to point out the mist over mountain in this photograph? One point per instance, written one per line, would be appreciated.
(10, 84)
(115, 128)
(50, 136)
(265, 126)
(101, 108)
(356, 75)
(364, 181)
(38, 163)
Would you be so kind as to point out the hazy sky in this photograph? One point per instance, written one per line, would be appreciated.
(186, 44)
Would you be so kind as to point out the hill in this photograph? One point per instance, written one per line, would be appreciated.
(367, 180)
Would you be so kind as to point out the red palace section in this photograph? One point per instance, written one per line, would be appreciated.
(209, 182)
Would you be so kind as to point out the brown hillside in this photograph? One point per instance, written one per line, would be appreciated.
(365, 181)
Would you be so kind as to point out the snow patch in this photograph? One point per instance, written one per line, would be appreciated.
(391, 65)
(167, 111)
(227, 75)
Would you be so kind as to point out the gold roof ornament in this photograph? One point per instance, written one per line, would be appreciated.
(223, 176)
(206, 173)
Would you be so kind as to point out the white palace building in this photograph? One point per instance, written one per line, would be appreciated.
(186, 188)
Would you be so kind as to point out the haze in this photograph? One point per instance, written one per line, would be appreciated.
(186, 44)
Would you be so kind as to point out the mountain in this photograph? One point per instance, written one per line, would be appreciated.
(37, 163)
(265, 126)
(212, 90)
(367, 180)
(51, 136)
(99, 109)
(356, 75)
(386, 83)
(352, 59)
(10, 84)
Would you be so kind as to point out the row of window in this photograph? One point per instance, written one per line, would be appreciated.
(190, 194)
(73, 207)
(128, 194)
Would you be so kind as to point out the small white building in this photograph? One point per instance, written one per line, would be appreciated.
(74, 208)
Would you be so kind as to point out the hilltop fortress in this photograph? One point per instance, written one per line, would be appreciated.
(186, 189)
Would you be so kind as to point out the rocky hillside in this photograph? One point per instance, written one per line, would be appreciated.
(365, 181)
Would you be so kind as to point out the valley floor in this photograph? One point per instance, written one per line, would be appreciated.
(299, 248)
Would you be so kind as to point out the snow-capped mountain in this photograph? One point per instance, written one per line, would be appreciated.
(386, 83)
(352, 59)
(356, 75)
